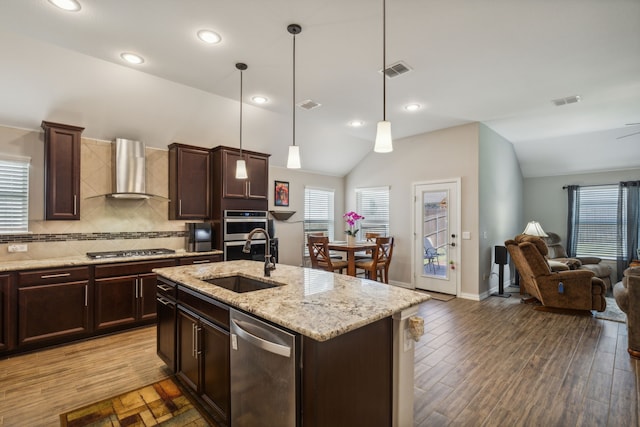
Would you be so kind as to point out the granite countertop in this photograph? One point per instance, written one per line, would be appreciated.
(314, 303)
(80, 260)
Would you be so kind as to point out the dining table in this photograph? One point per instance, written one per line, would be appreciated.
(351, 251)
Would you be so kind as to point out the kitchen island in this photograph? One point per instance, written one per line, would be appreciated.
(354, 356)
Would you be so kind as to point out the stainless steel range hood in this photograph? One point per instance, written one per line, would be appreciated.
(129, 182)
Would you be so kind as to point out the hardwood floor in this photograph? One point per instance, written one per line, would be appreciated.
(491, 363)
(500, 363)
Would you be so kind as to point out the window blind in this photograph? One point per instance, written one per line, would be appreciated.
(318, 212)
(14, 196)
(373, 204)
(597, 221)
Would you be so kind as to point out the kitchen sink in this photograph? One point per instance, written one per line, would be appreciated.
(241, 284)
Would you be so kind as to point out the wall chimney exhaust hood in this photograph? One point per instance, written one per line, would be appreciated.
(128, 177)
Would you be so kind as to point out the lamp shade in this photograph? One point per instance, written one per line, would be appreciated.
(241, 169)
(293, 161)
(384, 142)
(534, 229)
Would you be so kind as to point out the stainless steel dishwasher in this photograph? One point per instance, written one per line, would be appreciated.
(264, 374)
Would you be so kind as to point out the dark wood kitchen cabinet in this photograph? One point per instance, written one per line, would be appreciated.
(189, 182)
(53, 305)
(125, 293)
(167, 312)
(225, 184)
(5, 310)
(62, 171)
(203, 351)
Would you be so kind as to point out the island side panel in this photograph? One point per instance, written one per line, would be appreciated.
(348, 380)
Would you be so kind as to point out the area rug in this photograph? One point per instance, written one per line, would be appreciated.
(162, 403)
(440, 297)
(612, 312)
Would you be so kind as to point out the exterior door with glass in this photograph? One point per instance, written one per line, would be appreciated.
(436, 223)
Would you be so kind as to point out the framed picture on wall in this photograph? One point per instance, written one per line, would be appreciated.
(281, 193)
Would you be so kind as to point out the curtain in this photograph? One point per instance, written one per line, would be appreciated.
(627, 224)
(573, 196)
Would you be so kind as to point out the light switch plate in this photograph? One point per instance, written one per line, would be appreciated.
(466, 235)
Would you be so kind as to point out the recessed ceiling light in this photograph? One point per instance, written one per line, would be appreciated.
(258, 99)
(69, 5)
(209, 36)
(412, 107)
(132, 58)
(356, 123)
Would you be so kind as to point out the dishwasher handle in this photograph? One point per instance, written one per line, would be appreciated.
(279, 349)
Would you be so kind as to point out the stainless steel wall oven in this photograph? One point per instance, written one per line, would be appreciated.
(236, 225)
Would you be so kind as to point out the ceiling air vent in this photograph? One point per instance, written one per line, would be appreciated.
(396, 69)
(568, 100)
(308, 104)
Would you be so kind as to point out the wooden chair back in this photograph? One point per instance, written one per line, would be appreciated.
(320, 255)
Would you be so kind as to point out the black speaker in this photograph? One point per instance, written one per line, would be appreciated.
(501, 255)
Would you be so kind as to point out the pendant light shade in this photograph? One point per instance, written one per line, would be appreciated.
(241, 166)
(384, 143)
(293, 161)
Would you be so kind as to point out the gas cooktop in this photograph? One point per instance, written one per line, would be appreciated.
(130, 253)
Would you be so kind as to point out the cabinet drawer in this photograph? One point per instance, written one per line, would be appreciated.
(127, 268)
(44, 277)
(199, 259)
(207, 307)
(166, 288)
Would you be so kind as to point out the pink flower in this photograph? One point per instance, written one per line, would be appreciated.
(351, 218)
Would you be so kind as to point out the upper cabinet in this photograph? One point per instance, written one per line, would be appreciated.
(189, 182)
(227, 186)
(62, 170)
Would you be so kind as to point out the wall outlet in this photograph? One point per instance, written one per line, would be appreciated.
(17, 248)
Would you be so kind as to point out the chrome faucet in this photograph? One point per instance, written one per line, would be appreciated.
(269, 261)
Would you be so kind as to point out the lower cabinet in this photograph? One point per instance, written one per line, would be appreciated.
(122, 300)
(166, 323)
(5, 312)
(203, 360)
(52, 307)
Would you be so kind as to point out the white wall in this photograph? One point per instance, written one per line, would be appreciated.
(501, 203)
(290, 233)
(444, 154)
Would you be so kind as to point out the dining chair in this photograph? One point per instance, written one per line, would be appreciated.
(378, 265)
(366, 255)
(321, 257)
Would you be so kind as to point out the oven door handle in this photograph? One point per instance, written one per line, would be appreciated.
(241, 242)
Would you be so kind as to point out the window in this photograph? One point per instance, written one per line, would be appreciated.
(595, 221)
(14, 195)
(373, 204)
(318, 212)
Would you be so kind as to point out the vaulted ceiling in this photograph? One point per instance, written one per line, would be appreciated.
(493, 61)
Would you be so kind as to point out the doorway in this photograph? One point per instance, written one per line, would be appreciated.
(436, 232)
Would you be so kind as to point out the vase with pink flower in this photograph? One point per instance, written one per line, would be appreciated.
(352, 219)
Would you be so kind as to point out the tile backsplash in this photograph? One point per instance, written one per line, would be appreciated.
(105, 224)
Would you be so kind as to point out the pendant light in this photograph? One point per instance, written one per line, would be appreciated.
(241, 166)
(293, 161)
(384, 142)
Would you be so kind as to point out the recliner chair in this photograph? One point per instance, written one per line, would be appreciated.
(558, 253)
(569, 289)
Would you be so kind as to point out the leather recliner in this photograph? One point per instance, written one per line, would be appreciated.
(557, 252)
(627, 295)
(569, 289)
